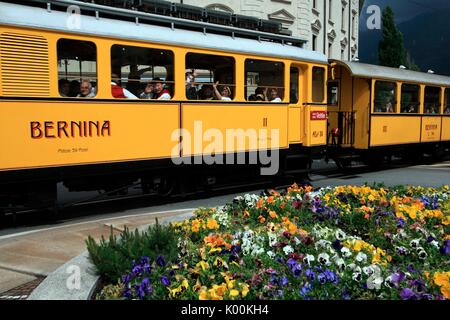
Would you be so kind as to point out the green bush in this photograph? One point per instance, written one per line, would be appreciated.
(112, 256)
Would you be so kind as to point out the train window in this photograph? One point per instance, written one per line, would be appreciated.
(77, 68)
(264, 80)
(142, 73)
(410, 102)
(209, 77)
(318, 84)
(447, 102)
(432, 100)
(333, 93)
(385, 97)
(295, 74)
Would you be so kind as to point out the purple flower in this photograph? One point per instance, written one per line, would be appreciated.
(310, 274)
(305, 289)
(295, 267)
(445, 248)
(137, 270)
(407, 294)
(337, 245)
(400, 223)
(160, 261)
(284, 281)
(165, 281)
(126, 279)
(331, 276)
(398, 277)
(411, 268)
(322, 278)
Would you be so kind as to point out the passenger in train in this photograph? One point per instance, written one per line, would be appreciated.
(74, 88)
(447, 110)
(86, 90)
(148, 92)
(389, 107)
(118, 92)
(191, 89)
(64, 88)
(223, 94)
(160, 93)
(206, 92)
(273, 95)
(259, 95)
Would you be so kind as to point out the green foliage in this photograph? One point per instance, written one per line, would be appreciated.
(391, 50)
(112, 256)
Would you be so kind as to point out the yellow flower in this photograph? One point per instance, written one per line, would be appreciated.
(195, 225)
(234, 293)
(203, 264)
(245, 290)
(212, 224)
(203, 295)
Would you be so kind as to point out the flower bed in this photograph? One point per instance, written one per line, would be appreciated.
(334, 243)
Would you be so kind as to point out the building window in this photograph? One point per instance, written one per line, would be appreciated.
(314, 42)
(314, 4)
(77, 68)
(143, 73)
(318, 84)
(330, 50)
(210, 77)
(385, 97)
(447, 101)
(343, 18)
(264, 80)
(342, 54)
(294, 85)
(410, 101)
(353, 25)
(432, 100)
(330, 10)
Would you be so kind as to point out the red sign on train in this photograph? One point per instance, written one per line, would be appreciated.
(318, 115)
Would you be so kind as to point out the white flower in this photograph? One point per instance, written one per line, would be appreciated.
(288, 250)
(324, 244)
(297, 241)
(415, 243)
(340, 263)
(357, 276)
(340, 235)
(361, 257)
(346, 252)
(309, 258)
(272, 239)
(422, 254)
(374, 283)
(271, 254)
(435, 244)
(324, 258)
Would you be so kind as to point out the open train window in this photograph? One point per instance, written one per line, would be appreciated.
(432, 103)
(447, 102)
(410, 102)
(333, 93)
(293, 96)
(318, 84)
(77, 68)
(385, 97)
(264, 80)
(210, 77)
(143, 73)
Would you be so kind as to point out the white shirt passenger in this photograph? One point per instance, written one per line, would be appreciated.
(276, 100)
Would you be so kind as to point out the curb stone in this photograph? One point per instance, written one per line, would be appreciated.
(56, 285)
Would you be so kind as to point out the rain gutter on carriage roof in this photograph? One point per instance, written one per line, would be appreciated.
(363, 70)
(32, 17)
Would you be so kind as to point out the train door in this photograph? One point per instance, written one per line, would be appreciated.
(295, 106)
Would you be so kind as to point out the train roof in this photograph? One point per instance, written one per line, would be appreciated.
(364, 70)
(40, 18)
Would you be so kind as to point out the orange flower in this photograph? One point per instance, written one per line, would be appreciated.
(270, 199)
(212, 224)
(283, 205)
(246, 213)
(261, 219)
(260, 203)
(366, 216)
(273, 214)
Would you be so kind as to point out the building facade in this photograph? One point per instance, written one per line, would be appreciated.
(330, 26)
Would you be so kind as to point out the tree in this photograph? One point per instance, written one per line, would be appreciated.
(391, 50)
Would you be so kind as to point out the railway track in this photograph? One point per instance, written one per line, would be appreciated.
(131, 197)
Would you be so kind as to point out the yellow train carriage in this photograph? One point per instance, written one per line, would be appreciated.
(81, 100)
(377, 111)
